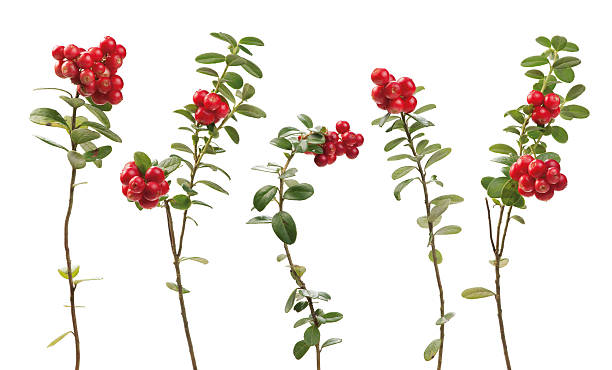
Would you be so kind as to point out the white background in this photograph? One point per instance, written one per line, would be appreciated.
(357, 241)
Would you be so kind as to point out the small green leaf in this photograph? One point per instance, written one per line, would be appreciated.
(300, 349)
(181, 147)
(575, 111)
(439, 258)
(76, 159)
(173, 286)
(250, 40)
(453, 198)
(534, 61)
(208, 71)
(437, 156)
(575, 92)
(565, 74)
(425, 108)
(448, 230)
(432, 349)
(331, 342)
(213, 186)
(393, 143)
(502, 149)
(233, 79)
(234, 60)
(558, 42)
(549, 155)
(299, 192)
(264, 196)
(143, 162)
(260, 220)
(284, 227)
(544, 41)
(50, 142)
(475, 293)
(282, 143)
(446, 318)
(401, 172)
(290, 301)
(56, 340)
(232, 133)
(185, 113)
(519, 219)
(169, 165)
(73, 102)
(210, 58)
(566, 62)
(99, 114)
(400, 187)
(201, 260)
(312, 336)
(252, 69)
(559, 134)
(307, 121)
(48, 117)
(495, 187)
(571, 47)
(250, 111)
(98, 153)
(535, 73)
(502, 262)
(247, 91)
(438, 210)
(180, 201)
(82, 135)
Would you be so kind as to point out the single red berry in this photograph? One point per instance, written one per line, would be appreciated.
(133, 196)
(130, 164)
(114, 97)
(349, 138)
(87, 89)
(562, 184)
(515, 172)
(155, 174)
(342, 127)
(331, 158)
(340, 149)
(103, 85)
(545, 196)
(541, 116)
(99, 69)
(536, 168)
(124, 189)
(320, 160)
(359, 140)
(137, 184)
(71, 52)
(554, 113)
(552, 175)
(552, 101)
(58, 69)
(75, 79)
(332, 137)
(407, 86)
(384, 105)
(198, 97)
(392, 90)
(525, 193)
(58, 52)
(527, 183)
(87, 76)
(85, 61)
(114, 62)
(120, 50)
(165, 187)
(99, 98)
(378, 94)
(116, 82)
(222, 111)
(212, 101)
(380, 76)
(352, 152)
(396, 106)
(535, 98)
(204, 117)
(523, 163)
(108, 45)
(541, 186)
(410, 104)
(152, 191)
(127, 174)
(148, 204)
(96, 54)
(550, 163)
(69, 69)
(329, 148)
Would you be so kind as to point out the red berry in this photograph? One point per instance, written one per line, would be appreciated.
(552, 101)
(352, 152)
(380, 76)
(75, 79)
(204, 117)
(392, 90)
(85, 61)
(103, 85)
(99, 69)
(526, 183)
(562, 184)
(536, 168)
(87, 76)
(114, 97)
(391, 77)
(108, 45)
(120, 50)
(133, 196)
(127, 174)
(329, 148)
(523, 162)
(545, 196)
(407, 86)
(152, 191)
(69, 69)
(541, 186)
(331, 158)
(130, 164)
(515, 172)
(155, 174)
(148, 204)
(165, 187)
(384, 105)
(116, 82)
(396, 106)
(114, 62)
(340, 149)
(137, 184)
(87, 89)
(320, 160)
(212, 101)
(124, 189)
(99, 98)
(71, 52)
(535, 98)
(552, 175)
(58, 69)
(349, 138)
(342, 127)
(525, 193)
(58, 52)
(410, 104)
(96, 54)
(549, 163)
(554, 113)
(541, 116)
(378, 94)
(198, 97)
(332, 137)
(222, 111)
(359, 140)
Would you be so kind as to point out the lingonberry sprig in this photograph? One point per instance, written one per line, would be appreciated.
(76, 63)
(294, 141)
(531, 168)
(144, 181)
(398, 97)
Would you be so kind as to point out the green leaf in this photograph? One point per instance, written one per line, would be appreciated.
(485, 181)
(250, 40)
(290, 301)
(448, 230)
(213, 186)
(307, 121)
(559, 134)
(502, 149)
(180, 201)
(312, 336)
(215, 168)
(248, 91)
(399, 157)
(143, 162)
(234, 60)
(558, 42)
(519, 219)
(208, 71)
(225, 92)
(571, 47)
(544, 41)
(534, 61)
(565, 74)
(535, 73)
(232, 133)
(401, 172)
(393, 143)
(104, 107)
(50, 142)
(73, 102)
(181, 147)
(437, 156)
(252, 69)
(331, 342)
(224, 37)
(264, 196)
(333, 317)
(425, 108)
(549, 155)
(438, 210)
(56, 340)
(102, 130)
(284, 227)
(439, 258)
(282, 143)
(99, 114)
(575, 111)
(453, 198)
(201, 260)
(502, 262)
(494, 190)
(48, 117)
(98, 153)
(260, 220)
(575, 92)
(446, 318)
(250, 111)
(185, 113)
(82, 135)
(169, 165)
(432, 349)
(64, 271)
(400, 187)
(76, 159)
(173, 286)
(566, 62)
(233, 79)
(210, 58)
(300, 349)
(280, 257)
(299, 192)
(475, 293)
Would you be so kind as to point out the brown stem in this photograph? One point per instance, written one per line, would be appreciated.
(498, 254)
(179, 284)
(432, 242)
(72, 286)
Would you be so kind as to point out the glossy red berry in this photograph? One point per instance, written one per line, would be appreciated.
(378, 94)
(198, 97)
(340, 149)
(96, 54)
(71, 52)
(114, 97)
(552, 175)
(137, 184)
(525, 193)
(133, 196)
(515, 172)
(99, 69)
(204, 117)
(85, 61)
(108, 45)
(99, 98)
(352, 152)
(69, 69)
(130, 164)
(332, 137)
(87, 76)
(120, 50)
(320, 160)
(329, 148)
(541, 186)
(359, 140)
(380, 76)
(331, 158)
(116, 82)
(392, 90)
(410, 104)
(127, 174)
(396, 105)
(148, 204)
(58, 69)
(523, 162)
(549, 163)
(342, 127)
(541, 116)
(554, 113)
(536, 168)
(124, 189)
(103, 85)
(114, 62)
(212, 101)
(152, 191)
(391, 77)
(87, 89)
(384, 105)
(58, 52)
(165, 187)
(562, 184)
(155, 174)
(545, 196)
(552, 101)
(407, 86)
(349, 138)
(222, 111)
(526, 183)
(535, 98)
(75, 79)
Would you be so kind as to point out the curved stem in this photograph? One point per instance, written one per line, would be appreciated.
(432, 242)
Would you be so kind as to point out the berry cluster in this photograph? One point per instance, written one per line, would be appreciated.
(393, 96)
(94, 71)
(545, 108)
(211, 108)
(536, 177)
(144, 190)
(337, 143)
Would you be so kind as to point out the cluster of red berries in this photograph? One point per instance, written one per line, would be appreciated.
(536, 177)
(144, 190)
(338, 143)
(211, 108)
(545, 108)
(94, 71)
(393, 96)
